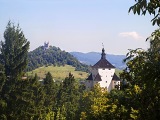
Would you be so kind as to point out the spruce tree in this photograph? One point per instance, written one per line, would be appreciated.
(14, 51)
(2, 77)
(13, 58)
(68, 98)
(3, 104)
(50, 89)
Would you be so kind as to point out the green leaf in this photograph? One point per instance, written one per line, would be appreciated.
(131, 8)
(138, 10)
(134, 10)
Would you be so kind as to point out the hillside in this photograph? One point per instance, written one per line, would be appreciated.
(52, 56)
(58, 72)
(92, 57)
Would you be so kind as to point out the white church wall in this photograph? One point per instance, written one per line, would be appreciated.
(106, 76)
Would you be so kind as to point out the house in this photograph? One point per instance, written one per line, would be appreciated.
(103, 73)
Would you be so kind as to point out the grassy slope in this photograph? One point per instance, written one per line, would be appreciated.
(58, 73)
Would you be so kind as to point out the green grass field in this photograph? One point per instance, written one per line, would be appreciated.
(58, 73)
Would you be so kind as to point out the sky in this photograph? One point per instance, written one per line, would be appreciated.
(78, 25)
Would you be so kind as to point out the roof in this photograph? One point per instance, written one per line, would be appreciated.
(98, 78)
(103, 63)
(115, 77)
(90, 77)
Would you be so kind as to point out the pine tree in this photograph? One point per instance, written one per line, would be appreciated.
(13, 56)
(68, 97)
(2, 77)
(37, 107)
(3, 104)
(50, 89)
(14, 51)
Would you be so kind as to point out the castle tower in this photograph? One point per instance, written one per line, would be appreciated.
(46, 45)
(103, 73)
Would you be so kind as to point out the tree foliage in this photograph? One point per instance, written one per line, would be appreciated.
(141, 7)
(93, 103)
(143, 68)
(68, 98)
(13, 51)
(50, 89)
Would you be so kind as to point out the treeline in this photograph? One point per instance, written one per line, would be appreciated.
(53, 56)
(30, 100)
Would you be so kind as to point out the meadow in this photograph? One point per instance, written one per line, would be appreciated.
(58, 72)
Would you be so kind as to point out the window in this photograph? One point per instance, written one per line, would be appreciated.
(106, 81)
(103, 68)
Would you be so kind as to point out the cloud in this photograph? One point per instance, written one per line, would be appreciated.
(133, 35)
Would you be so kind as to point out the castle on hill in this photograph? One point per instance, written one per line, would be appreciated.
(46, 45)
(103, 73)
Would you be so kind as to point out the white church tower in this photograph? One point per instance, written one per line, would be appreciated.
(103, 73)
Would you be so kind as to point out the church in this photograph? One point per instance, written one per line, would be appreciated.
(103, 73)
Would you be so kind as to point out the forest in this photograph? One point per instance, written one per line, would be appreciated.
(28, 99)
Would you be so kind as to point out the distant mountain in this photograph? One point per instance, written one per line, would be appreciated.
(52, 56)
(92, 57)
